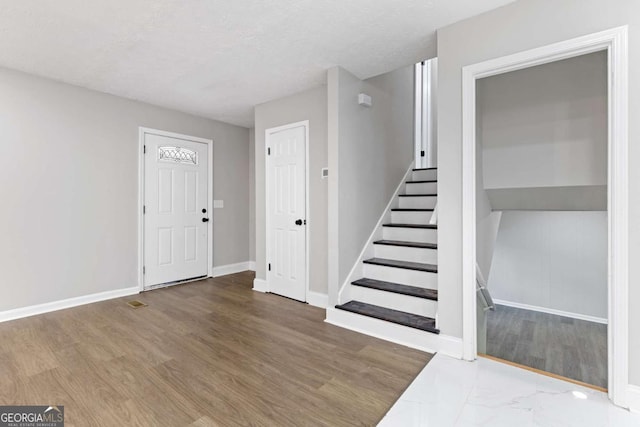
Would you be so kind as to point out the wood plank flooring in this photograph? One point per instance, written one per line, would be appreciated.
(207, 353)
(568, 347)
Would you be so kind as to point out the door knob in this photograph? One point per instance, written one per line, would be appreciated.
(205, 219)
(298, 222)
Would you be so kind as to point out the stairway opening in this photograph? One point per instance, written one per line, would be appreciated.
(541, 216)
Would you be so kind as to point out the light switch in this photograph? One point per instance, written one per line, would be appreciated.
(218, 204)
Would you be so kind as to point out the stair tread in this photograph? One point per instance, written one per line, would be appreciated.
(423, 181)
(431, 226)
(397, 288)
(395, 316)
(410, 210)
(417, 195)
(424, 169)
(408, 244)
(407, 265)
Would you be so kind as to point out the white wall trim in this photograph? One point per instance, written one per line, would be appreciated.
(223, 270)
(267, 179)
(252, 265)
(375, 235)
(48, 307)
(633, 398)
(614, 41)
(403, 335)
(588, 318)
(142, 131)
(318, 299)
(260, 285)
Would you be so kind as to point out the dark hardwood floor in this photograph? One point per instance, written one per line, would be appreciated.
(207, 353)
(568, 347)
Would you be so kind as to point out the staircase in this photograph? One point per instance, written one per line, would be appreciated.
(400, 282)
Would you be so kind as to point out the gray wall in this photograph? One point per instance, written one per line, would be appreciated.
(372, 147)
(252, 194)
(310, 105)
(522, 25)
(546, 125)
(70, 188)
(555, 260)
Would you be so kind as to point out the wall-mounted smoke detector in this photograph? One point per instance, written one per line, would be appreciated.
(364, 100)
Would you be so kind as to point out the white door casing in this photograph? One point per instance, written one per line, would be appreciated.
(176, 208)
(287, 210)
(614, 41)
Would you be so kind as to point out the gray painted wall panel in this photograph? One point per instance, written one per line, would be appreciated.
(70, 188)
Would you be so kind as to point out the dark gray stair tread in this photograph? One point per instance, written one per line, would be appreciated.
(417, 195)
(422, 182)
(418, 266)
(397, 288)
(407, 244)
(424, 169)
(395, 316)
(431, 226)
(411, 210)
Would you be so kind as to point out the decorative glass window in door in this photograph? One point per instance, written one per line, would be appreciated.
(177, 155)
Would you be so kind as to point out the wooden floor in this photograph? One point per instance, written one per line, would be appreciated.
(568, 347)
(206, 353)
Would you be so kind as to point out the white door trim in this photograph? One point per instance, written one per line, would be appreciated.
(614, 41)
(142, 131)
(267, 134)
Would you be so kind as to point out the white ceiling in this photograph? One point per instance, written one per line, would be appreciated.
(219, 58)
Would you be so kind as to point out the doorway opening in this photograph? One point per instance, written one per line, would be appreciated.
(613, 44)
(426, 113)
(541, 208)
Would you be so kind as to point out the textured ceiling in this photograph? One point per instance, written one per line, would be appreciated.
(219, 58)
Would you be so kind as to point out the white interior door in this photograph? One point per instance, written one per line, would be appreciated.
(286, 204)
(175, 210)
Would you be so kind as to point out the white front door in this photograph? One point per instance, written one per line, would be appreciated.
(286, 205)
(175, 210)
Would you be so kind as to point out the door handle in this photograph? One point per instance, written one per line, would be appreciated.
(205, 219)
(298, 222)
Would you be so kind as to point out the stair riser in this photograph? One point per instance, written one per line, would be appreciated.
(422, 188)
(421, 279)
(404, 253)
(420, 202)
(422, 235)
(406, 303)
(427, 175)
(411, 217)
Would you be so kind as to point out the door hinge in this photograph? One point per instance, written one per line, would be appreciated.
(422, 153)
(144, 270)
(144, 209)
(269, 266)
(268, 151)
(144, 149)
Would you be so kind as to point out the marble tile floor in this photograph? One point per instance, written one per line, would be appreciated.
(451, 392)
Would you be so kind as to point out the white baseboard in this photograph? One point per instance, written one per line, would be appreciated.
(317, 299)
(633, 398)
(403, 335)
(578, 316)
(33, 310)
(223, 270)
(252, 265)
(260, 285)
